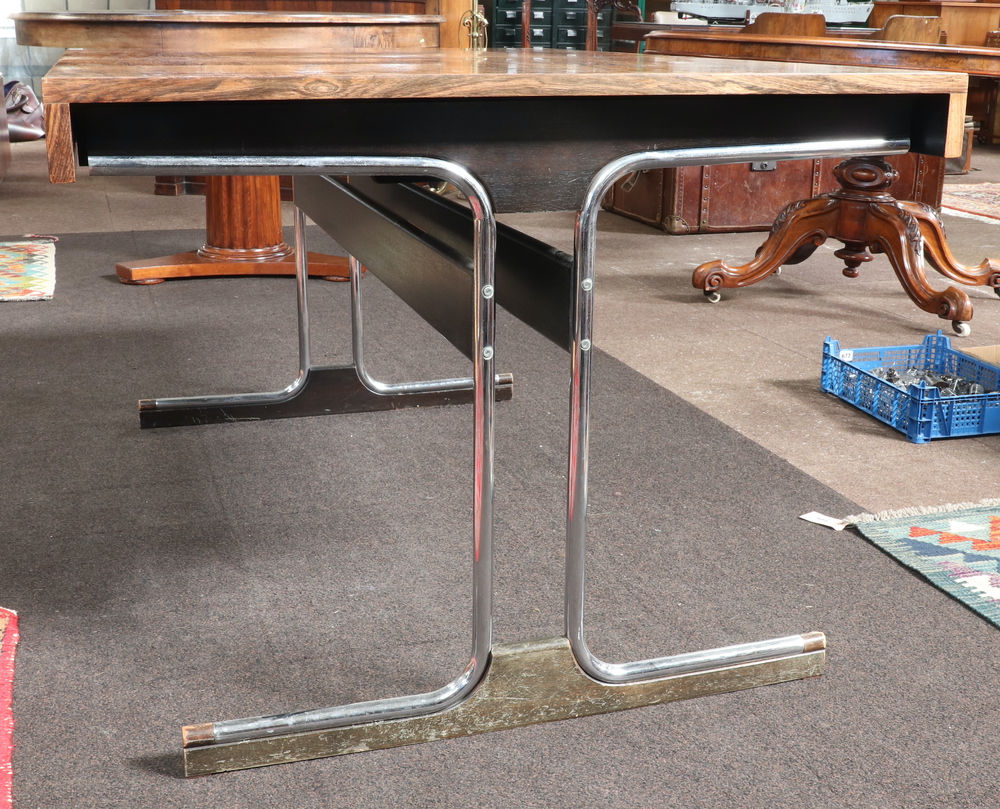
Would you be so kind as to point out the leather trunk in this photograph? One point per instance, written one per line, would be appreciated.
(747, 196)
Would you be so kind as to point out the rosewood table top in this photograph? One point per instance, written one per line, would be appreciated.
(550, 119)
(449, 73)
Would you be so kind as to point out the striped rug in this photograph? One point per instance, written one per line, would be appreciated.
(8, 643)
(28, 269)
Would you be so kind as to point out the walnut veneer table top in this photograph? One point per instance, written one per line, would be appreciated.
(100, 76)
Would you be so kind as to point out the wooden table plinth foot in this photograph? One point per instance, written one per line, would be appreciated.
(867, 219)
(196, 265)
(526, 684)
(244, 237)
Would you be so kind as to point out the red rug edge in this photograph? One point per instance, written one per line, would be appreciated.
(10, 639)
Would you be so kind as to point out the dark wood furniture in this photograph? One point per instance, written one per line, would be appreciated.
(301, 6)
(527, 130)
(862, 214)
(244, 234)
(197, 31)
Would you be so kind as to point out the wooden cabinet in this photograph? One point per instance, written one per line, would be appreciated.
(963, 23)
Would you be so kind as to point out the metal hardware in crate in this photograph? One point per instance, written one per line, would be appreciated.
(921, 411)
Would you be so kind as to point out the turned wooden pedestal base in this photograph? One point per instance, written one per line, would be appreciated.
(243, 237)
(867, 219)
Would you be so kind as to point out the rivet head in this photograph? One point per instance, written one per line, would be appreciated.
(487, 291)
(585, 345)
(588, 284)
(488, 353)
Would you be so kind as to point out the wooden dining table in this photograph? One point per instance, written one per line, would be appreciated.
(517, 130)
(244, 233)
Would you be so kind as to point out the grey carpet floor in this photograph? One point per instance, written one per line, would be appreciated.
(169, 577)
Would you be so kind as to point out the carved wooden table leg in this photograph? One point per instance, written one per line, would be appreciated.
(243, 237)
(939, 255)
(866, 218)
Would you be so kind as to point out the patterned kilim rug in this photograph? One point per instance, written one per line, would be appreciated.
(28, 269)
(981, 199)
(8, 643)
(956, 547)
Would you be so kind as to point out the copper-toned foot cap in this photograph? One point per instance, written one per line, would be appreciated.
(198, 735)
(813, 641)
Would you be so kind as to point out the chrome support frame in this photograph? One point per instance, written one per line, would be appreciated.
(576, 518)
(484, 396)
(536, 681)
(400, 166)
(484, 384)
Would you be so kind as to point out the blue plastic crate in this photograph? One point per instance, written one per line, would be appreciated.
(921, 412)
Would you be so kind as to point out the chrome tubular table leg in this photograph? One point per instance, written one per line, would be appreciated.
(791, 647)
(315, 390)
(255, 741)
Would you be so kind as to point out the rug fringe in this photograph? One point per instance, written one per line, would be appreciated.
(918, 511)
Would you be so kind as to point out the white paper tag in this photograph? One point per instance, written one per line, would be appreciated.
(822, 519)
(847, 354)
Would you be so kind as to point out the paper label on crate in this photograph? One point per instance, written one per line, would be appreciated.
(822, 519)
(847, 354)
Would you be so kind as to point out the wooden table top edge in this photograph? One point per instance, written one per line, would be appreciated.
(185, 17)
(94, 76)
(89, 75)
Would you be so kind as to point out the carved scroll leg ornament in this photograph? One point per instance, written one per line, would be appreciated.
(939, 255)
(899, 236)
(799, 229)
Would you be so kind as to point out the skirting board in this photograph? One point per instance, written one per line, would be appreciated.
(527, 683)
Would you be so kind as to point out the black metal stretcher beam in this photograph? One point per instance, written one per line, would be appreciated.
(419, 244)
